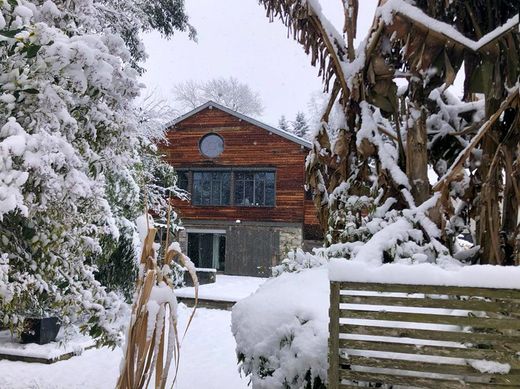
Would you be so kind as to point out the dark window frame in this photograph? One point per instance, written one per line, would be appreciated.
(209, 181)
(232, 184)
(255, 181)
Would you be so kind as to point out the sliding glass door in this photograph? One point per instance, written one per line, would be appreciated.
(207, 250)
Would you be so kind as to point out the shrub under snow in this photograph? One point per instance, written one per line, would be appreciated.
(281, 331)
(298, 260)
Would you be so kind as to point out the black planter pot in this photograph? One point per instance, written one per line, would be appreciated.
(40, 330)
(205, 276)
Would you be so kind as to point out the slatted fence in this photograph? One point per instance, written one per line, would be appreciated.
(416, 336)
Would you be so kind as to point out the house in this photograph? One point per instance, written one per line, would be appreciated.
(248, 203)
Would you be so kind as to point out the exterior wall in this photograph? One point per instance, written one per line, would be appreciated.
(290, 239)
(286, 236)
(263, 235)
(245, 145)
(182, 239)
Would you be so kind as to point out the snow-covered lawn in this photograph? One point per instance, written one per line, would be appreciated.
(226, 288)
(208, 361)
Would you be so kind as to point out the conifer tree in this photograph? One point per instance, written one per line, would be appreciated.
(299, 125)
(283, 124)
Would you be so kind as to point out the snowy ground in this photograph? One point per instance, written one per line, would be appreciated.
(208, 361)
(226, 288)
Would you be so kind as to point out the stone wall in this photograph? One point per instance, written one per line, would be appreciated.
(291, 238)
(182, 238)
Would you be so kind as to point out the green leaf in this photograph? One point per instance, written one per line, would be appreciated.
(10, 33)
(32, 50)
(31, 91)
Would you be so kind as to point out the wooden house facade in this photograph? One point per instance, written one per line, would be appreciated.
(248, 203)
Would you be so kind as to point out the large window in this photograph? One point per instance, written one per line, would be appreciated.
(183, 180)
(254, 189)
(247, 188)
(211, 188)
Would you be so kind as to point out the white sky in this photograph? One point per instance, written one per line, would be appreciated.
(236, 39)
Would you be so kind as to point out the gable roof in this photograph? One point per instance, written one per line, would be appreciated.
(211, 104)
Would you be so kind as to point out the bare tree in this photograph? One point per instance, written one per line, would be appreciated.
(153, 114)
(229, 92)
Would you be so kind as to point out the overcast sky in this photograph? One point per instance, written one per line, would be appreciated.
(236, 39)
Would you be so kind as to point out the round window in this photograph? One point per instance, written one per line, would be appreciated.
(211, 145)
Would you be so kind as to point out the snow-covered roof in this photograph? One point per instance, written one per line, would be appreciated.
(212, 104)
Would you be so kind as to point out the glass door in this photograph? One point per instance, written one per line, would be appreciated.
(207, 250)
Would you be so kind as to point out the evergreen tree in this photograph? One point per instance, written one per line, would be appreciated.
(283, 124)
(299, 125)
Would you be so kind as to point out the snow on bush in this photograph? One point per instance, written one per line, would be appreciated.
(282, 329)
(298, 260)
(69, 152)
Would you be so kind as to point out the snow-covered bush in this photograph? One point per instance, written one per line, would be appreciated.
(282, 329)
(69, 147)
(298, 260)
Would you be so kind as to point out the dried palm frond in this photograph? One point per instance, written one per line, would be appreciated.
(426, 43)
(153, 340)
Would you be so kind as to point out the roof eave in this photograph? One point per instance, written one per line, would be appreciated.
(211, 104)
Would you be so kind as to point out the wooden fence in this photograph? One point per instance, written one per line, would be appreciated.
(415, 336)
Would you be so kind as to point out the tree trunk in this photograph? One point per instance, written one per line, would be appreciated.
(417, 158)
(488, 227)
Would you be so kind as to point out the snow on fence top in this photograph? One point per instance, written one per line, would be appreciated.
(481, 276)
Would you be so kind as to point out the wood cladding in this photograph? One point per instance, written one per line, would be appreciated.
(245, 146)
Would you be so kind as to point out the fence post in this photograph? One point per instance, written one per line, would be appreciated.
(334, 336)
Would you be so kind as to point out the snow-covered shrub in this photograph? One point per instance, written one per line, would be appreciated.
(282, 329)
(298, 260)
(69, 147)
(118, 271)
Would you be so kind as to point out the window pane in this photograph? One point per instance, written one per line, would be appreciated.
(215, 192)
(269, 189)
(239, 192)
(182, 180)
(206, 188)
(226, 188)
(248, 192)
(255, 189)
(197, 190)
(259, 192)
(211, 188)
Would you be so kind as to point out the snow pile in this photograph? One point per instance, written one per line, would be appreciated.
(281, 331)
